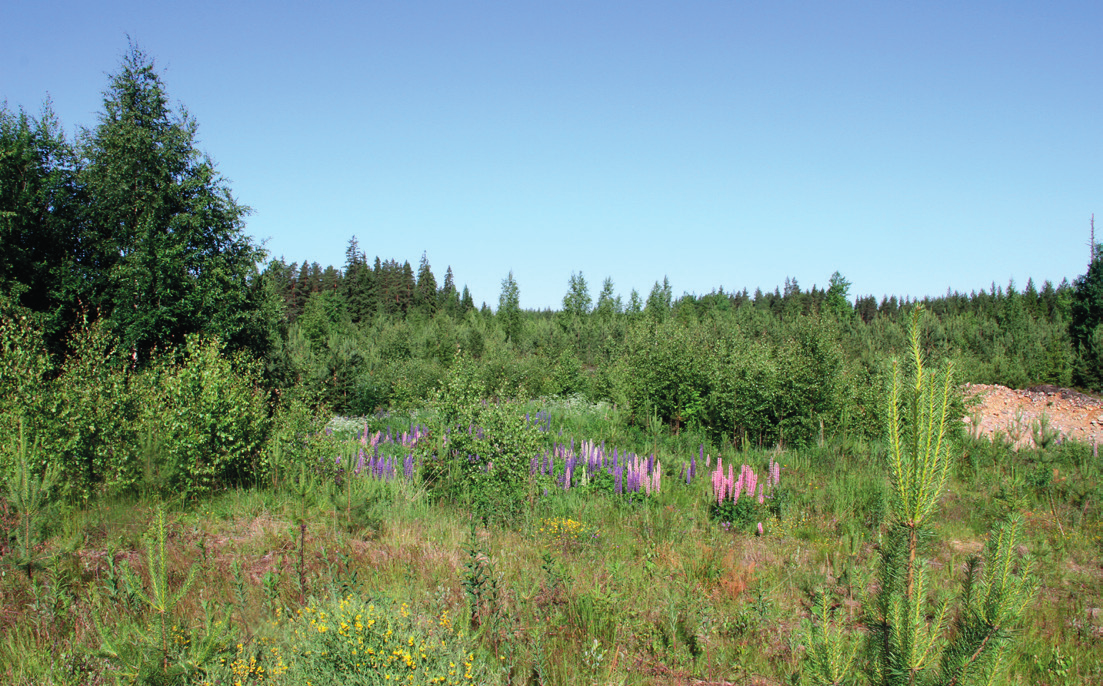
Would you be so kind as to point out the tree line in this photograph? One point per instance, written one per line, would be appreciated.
(129, 229)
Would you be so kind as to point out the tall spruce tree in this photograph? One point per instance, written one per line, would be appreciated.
(509, 307)
(467, 303)
(169, 252)
(1086, 327)
(448, 300)
(425, 292)
(608, 303)
(42, 234)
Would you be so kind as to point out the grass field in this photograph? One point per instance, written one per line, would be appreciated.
(294, 582)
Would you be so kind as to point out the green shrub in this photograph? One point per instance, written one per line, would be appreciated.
(356, 642)
(92, 424)
(212, 417)
(24, 365)
(487, 449)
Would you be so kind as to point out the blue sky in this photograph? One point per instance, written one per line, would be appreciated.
(913, 147)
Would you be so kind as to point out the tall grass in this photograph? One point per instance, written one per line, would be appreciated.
(626, 590)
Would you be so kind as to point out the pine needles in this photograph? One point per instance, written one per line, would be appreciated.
(910, 640)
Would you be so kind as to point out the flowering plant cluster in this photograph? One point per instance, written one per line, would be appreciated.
(728, 486)
(353, 641)
(590, 463)
(564, 533)
(740, 500)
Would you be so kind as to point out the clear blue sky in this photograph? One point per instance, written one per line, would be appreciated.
(912, 146)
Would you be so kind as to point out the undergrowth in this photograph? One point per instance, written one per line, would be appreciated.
(576, 586)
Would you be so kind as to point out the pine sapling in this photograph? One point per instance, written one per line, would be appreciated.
(908, 641)
(29, 491)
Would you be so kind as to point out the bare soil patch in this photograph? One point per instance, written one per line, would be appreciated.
(1016, 414)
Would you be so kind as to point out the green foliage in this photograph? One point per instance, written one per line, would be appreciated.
(664, 371)
(577, 300)
(736, 387)
(167, 235)
(213, 419)
(362, 642)
(167, 652)
(994, 596)
(659, 301)
(742, 515)
(483, 459)
(132, 224)
(919, 447)
(836, 299)
(831, 652)
(608, 303)
(40, 221)
(29, 492)
(24, 391)
(1087, 316)
(91, 424)
(480, 584)
(509, 308)
(910, 639)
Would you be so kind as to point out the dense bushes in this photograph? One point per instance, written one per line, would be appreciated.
(187, 425)
(782, 387)
(484, 449)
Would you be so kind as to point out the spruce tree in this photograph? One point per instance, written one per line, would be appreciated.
(509, 308)
(448, 299)
(608, 304)
(1086, 327)
(425, 293)
(42, 231)
(167, 242)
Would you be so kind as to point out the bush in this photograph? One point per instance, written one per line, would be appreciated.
(24, 364)
(357, 642)
(486, 453)
(212, 419)
(91, 422)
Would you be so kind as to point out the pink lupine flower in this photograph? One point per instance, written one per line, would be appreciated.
(760, 528)
(718, 482)
(750, 480)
